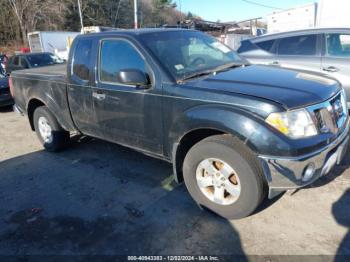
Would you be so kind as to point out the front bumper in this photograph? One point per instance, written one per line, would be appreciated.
(285, 173)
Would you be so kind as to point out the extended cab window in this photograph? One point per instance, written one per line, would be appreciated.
(338, 44)
(116, 55)
(81, 59)
(298, 45)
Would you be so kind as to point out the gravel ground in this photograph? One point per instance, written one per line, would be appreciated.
(101, 198)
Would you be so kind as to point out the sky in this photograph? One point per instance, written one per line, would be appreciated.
(235, 10)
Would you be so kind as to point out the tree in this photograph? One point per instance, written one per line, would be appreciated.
(33, 14)
(19, 8)
(19, 17)
(8, 25)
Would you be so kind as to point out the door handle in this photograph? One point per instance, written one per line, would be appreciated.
(330, 69)
(98, 95)
(275, 63)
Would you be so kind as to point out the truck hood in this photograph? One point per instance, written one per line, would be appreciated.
(290, 88)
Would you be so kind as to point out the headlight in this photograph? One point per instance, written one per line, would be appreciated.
(295, 124)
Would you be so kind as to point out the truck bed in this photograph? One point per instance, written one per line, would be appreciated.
(48, 85)
(54, 72)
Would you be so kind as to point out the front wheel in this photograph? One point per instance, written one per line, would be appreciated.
(223, 175)
(51, 135)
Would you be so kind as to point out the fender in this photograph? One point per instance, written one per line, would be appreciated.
(249, 128)
(58, 108)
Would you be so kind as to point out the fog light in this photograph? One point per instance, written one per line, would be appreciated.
(309, 171)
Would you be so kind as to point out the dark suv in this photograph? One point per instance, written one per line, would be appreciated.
(31, 60)
(5, 96)
(318, 50)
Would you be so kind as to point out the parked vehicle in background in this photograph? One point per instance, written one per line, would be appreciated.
(232, 131)
(325, 51)
(31, 60)
(3, 62)
(5, 96)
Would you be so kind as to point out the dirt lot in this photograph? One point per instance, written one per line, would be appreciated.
(101, 198)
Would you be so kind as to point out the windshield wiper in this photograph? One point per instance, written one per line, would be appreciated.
(195, 75)
(227, 67)
(211, 71)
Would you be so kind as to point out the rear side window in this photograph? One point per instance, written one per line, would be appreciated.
(81, 59)
(116, 55)
(338, 45)
(266, 45)
(246, 46)
(298, 45)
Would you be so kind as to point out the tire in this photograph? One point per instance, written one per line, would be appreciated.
(240, 171)
(53, 137)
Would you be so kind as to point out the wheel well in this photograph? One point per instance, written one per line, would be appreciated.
(186, 142)
(33, 104)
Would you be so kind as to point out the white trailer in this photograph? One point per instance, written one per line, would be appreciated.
(54, 42)
(301, 17)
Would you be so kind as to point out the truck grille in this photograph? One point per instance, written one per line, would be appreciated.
(331, 115)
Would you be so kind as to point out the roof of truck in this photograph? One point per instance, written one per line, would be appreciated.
(135, 32)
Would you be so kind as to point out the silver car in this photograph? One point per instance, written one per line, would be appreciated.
(318, 50)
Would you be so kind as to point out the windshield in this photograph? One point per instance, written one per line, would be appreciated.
(185, 53)
(37, 60)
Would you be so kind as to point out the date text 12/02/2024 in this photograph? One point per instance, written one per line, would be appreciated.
(173, 258)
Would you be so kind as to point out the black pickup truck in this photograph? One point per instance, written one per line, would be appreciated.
(234, 132)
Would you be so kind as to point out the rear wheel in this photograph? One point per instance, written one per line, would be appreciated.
(223, 175)
(51, 135)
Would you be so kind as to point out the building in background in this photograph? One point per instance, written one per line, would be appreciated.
(300, 17)
(325, 13)
(333, 13)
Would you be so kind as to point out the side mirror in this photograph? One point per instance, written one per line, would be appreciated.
(133, 77)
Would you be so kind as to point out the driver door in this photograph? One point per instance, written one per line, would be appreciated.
(127, 114)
